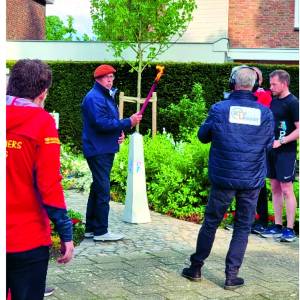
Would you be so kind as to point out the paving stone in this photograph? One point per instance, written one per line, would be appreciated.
(146, 289)
(283, 286)
(217, 292)
(252, 290)
(185, 295)
(148, 297)
(281, 295)
(147, 264)
(73, 291)
(113, 266)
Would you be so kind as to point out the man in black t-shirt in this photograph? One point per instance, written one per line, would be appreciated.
(282, 158)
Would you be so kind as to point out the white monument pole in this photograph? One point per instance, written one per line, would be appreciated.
(136, 204)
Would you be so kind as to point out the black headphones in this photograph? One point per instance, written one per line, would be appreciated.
(233, 74)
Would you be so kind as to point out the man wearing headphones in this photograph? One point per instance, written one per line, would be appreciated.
(240, 130)
(264, 97)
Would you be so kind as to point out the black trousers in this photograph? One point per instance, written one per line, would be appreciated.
(97, 210)
(26, 273)
(262, 206)
(218, 203)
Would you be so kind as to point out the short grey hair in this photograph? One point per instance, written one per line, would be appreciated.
(234, 70)
(245, 77)
(283, 76)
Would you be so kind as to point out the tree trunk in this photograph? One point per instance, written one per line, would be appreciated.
(139, 81)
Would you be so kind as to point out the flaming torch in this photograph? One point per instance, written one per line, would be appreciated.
(153, 87)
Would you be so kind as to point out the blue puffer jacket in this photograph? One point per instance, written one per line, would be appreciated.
(240, 131)
(101, 124)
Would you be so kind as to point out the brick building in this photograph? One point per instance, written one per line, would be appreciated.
(25, 19)
(256, 30)
(262, 24)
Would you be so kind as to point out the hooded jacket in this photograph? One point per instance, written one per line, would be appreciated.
(33, 180)
(240, 131)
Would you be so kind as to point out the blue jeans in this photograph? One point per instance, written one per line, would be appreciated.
(98, 203)
(218, 203)
(26, 273)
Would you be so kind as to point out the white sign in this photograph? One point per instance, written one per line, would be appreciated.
(245, 115)
(56, 119)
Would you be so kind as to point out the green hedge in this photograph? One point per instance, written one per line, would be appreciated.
(72, 80)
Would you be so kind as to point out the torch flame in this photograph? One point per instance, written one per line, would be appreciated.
(160, 72)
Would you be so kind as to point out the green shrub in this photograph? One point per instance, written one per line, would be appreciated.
(74, 169)
(190, 112)
(176, 174)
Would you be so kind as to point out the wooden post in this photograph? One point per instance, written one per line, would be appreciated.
(121, 105)
(153, 100)
(154, 114)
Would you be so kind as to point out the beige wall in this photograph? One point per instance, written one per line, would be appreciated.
(97, 51)
(210, 22)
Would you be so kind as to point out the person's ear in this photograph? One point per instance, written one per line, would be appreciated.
(40, 99)
(43, 94)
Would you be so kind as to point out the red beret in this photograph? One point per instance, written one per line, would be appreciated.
(103, 70)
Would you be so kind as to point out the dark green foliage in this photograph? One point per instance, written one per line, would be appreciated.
(72, 80)
(177, 175)
(190, 112)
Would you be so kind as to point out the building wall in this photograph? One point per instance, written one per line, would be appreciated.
(210, 22)
(97, 51)
(262, 24)
(25, 20)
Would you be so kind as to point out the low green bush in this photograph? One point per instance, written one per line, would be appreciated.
(74, 169)
(176, 172)
(191, 111)
(176, 176)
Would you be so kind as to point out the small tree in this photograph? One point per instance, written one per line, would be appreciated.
(145, 26)
(56, 30)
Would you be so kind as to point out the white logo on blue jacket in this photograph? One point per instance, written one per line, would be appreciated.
(245, 115)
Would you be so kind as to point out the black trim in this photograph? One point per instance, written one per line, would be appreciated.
(42, 2)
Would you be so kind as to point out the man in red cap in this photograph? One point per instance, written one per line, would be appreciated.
(101, 136)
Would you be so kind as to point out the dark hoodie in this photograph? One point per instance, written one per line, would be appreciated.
(33, 180)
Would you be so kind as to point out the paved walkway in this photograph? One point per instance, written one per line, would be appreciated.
(148, 262)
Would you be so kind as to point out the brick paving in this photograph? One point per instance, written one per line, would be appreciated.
(148, 262)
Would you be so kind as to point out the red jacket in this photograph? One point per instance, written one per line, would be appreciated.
(264, 97)
(32, 176)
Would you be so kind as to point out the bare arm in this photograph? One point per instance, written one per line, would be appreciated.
(293, 136)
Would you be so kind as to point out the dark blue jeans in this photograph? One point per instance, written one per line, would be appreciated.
(218, 203)
(98, 203)
(26, 273)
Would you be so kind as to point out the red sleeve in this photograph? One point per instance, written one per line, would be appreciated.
(48, 164)
(264, 97)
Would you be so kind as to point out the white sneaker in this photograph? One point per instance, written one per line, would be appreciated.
(88, 235)
(48, 291)
(109, 236)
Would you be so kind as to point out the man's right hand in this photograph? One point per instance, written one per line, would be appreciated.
(67, 249)
(135, 119)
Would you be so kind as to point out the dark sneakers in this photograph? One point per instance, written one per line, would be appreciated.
(192, 273)
(234, 283)
(257, 228)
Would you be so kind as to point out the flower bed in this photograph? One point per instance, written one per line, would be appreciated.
(78, 233)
